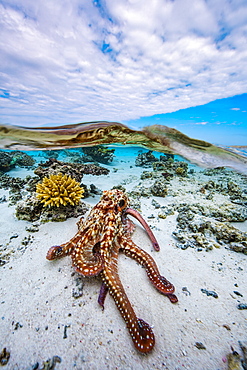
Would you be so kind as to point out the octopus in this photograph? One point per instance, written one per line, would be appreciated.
(95, 249)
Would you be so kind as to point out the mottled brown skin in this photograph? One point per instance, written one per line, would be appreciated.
(94, 250)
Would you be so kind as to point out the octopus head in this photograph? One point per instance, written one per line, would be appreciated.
(115, 198)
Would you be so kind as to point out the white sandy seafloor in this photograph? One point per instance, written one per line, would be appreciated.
(41, 318)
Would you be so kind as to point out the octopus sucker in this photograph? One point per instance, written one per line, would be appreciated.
(94, 251)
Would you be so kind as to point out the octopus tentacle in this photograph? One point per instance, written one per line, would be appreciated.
(58, 251)
(128, 225)
(85, 257)
(88, 268)
(138, 216)
(102, 295)
(130, 249)
(140, 332)
(65, 249)
(85, 261)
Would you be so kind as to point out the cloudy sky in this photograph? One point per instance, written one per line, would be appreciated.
(131, 61)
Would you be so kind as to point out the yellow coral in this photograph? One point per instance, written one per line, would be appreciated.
(180, 171)
(57, 190)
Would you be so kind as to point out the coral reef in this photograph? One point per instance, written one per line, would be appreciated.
(222, 212)
(23, 191)
(197, 231)
(238, 361)
(172, 168)
(166, 170)
(180, 171)
(159, 189)
(166, 164)
(98, 153)
(8, 160)
(5, 162)
(21, 159)
(9, 182)
(145, 159)
(57, 190)
(75, 170)
(156, 182)
(167, 157)
(31, 209)
(15, 186)
(53, 154)
(205, 216)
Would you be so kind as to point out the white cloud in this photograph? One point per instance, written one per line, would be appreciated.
(66, 61)
(235, 108)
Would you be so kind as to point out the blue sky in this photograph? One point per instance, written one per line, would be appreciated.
(222, 121)
(181, 63)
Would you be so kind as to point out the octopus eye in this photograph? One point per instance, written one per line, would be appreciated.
(121, 203)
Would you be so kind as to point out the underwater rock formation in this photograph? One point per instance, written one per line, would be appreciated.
(30, 208)
(165, 162)
(57, 190)
(22, 159)
(208, 207)
(226, 186)
(181, 171)
(53, 154)
(224, 212)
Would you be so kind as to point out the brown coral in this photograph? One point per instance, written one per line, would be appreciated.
(57, 190)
